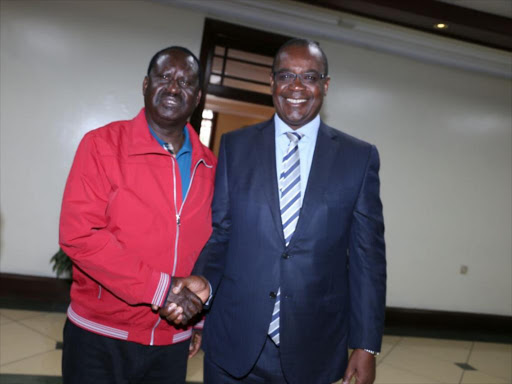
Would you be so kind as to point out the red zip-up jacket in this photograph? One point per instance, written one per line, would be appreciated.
(128, 230)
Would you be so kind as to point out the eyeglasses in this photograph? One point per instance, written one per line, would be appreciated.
(183, 82)
(308, 78)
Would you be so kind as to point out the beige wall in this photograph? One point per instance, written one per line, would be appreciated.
(445, 141)
(444, 137)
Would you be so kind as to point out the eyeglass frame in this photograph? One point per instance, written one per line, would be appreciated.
(322, 76)
(184, 83)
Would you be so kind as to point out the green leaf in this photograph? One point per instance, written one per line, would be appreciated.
(61, 263)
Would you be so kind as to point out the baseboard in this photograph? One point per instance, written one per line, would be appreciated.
(448, 325)
(445, 319)
(34, 292)
(52, 294)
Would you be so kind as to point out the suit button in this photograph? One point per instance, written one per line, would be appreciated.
(272, 295)
(285, 256)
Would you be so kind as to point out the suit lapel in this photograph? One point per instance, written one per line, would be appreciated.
(326, 151)
(267, 157)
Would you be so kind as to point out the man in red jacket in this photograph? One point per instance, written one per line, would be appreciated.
(136, 213)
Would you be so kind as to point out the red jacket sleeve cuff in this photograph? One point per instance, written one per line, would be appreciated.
(199, 325)
(157, 288)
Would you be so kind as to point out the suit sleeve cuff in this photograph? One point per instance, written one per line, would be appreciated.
(208, 302)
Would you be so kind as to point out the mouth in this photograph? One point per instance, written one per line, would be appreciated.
(170, 101)
(295, 101)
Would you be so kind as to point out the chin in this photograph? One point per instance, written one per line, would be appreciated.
(298, 121)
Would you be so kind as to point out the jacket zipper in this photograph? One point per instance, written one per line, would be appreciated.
(153, 331)
(178, 221)
(178, 215)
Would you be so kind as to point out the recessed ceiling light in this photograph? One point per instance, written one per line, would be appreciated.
(440, 26)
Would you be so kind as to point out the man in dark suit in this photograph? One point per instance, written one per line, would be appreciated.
(296, 261)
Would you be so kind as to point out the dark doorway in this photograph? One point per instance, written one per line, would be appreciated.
(237, 62)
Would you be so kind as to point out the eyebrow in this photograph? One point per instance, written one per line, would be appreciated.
(289, 70)
(185, 72)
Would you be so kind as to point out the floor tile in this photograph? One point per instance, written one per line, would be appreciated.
(28, 342)
(413, 359)
(449, 350)
(15, 314)
(388, 343)
(387, 374)
(466, 366)
(49, 324)
(5, 320)
(493, 359)
(477, 377)
(389, 339)
(48, 363)
(195, 368)
(19, 342)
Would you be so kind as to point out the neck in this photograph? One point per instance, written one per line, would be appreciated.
(172, 134)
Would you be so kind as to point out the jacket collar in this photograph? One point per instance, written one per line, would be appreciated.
(141, 142)
(269, 124)
(326, 148)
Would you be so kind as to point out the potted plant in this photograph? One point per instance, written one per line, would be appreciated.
(62, 264)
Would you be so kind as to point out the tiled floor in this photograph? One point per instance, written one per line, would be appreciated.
(28, 346)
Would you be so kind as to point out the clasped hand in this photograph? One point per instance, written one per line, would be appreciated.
(185, 299)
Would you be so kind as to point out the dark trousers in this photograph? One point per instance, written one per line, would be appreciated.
(266, 370)
(91, 358)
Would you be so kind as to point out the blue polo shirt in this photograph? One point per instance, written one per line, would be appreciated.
(183, 158)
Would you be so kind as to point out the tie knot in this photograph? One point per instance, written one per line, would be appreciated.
(294, 136)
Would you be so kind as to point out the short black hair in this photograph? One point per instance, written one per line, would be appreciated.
(157, 55)
(302, 43)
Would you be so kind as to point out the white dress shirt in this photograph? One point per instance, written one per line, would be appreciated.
(306, 147)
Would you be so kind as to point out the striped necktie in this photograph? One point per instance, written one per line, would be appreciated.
(290, 202)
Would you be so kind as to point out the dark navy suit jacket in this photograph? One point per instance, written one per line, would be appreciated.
(332, 275)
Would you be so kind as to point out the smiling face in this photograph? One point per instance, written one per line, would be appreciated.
(297, 103)
(171, 91)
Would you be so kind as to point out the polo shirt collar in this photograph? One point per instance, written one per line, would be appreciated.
(185, 148)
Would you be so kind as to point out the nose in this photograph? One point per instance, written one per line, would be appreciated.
(173, 86)
(297, 82)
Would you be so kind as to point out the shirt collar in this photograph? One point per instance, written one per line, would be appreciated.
(185, 148)
(187, 145)
(309, 130)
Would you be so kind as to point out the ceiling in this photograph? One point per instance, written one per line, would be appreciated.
(318, 21)
(495, 7)
(485, 22)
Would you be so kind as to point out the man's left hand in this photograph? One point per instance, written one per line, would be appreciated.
(361, 365)
(195, 342)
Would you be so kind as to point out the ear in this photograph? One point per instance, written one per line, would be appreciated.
(198, 97)
(326, 85)
(145, 85)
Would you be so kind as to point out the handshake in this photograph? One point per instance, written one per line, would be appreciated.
(185, 299)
